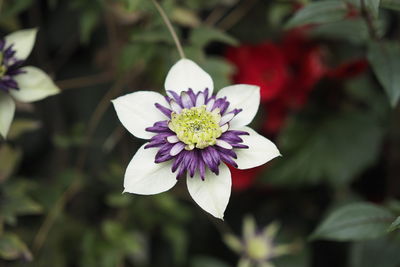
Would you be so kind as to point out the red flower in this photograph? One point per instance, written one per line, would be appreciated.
(285, 73)
(263, 65)
(348, 70)
(243, 179)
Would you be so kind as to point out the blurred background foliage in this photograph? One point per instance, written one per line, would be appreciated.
(329, 77)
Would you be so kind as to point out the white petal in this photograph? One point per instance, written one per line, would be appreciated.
(212, 194)
(34, 85)
(186, 74)
(260, 151)
(200, 100)
(7, 110)
(177, 148)
(225, 127)
(175, 106)
(173, 139)
(226, 118)
(186, 101)
(223, 144)
(210, 104)
(246, 97)
(145, 177)
(23, 42)
(136, 111)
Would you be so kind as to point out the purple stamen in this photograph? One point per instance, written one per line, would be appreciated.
(10, 67)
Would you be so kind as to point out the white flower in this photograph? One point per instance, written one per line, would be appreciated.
(257, 247)
(191, 133)
(24, 84)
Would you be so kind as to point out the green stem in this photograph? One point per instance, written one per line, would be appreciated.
(170, 28)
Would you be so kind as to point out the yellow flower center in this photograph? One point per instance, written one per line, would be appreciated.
(258, 248)
(196, 127)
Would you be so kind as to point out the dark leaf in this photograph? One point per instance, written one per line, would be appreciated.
(385, 60)
(358, 221)
(318, 13)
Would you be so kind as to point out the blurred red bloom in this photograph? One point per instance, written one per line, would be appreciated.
(243, 179)
(348, 70)
(262, 64)
(286, 73)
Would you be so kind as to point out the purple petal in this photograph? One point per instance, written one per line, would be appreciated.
(166, 111)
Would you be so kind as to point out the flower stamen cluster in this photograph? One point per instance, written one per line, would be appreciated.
(196, 127)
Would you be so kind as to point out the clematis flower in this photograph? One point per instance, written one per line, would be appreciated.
(192, 133)
(257, 246)
(24, 84)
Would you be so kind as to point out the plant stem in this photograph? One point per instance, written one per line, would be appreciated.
(170, 28)
(369, 21)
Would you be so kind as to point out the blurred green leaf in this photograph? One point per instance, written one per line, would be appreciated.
(395, 225)
(221, 71)
(318, 150)
(134, 54)
(373, 7)
(21, 126)
(185, 17)
(354, 30)
(381, 252)
(152, 36)
(12, 248)
(73, 138)
(179, 242)
(9, 159)
(15, 201)
(12, 8)
(385, 60)
(318, 13)
(202, 36)
(391, 4)
(89, 20)
(299, 259)
(118, 200)
(357, 221)
(201, 261)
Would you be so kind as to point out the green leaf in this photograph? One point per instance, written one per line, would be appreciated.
(221, 71)
(201, 261)
(16, 201)
(21, 126)
(151, 36)
(373, 253)
(12, 248)
(9, 158)
(185, 17)
(354, 30)
(202, 36)
(391, 4)
(318, 13)
(318, 149)
(177, 236)
(395, 225)
(88, 21)
(12, 8)
(385, 60)
(373, 7)
(358, 221)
